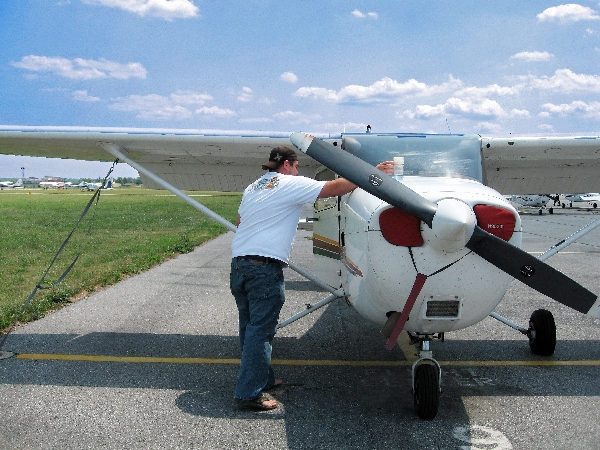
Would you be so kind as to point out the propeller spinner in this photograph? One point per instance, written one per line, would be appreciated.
(451, 229)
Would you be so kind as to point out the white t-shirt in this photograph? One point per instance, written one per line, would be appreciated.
(269, 214)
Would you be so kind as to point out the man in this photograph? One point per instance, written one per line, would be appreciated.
(267, 220)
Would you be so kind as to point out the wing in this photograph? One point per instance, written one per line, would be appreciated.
(541, 165)
(229, 161)
(187, 159)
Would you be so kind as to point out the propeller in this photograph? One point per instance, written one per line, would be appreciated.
(506, 257)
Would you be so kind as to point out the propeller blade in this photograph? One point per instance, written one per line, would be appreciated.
(532, 272)
(365, 176)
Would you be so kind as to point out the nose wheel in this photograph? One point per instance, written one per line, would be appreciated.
(426, 380)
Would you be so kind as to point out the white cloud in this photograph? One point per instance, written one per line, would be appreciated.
(519, 113)
(189, 98)
(83, 96)
(81, 69)
(492, 89)
(174, 107)
(383, 91)
(533, 56)
(568, 13)
(165, 9)
(465, 107)
(256, 120)
(468, 107)
(492, 127)
(328, 127)
(317, 93)
(294, 117)
(565, 80)
(215, 111)
(246, 95)
(579, 108)
(360, 15)
(289, 77)
(266, 101)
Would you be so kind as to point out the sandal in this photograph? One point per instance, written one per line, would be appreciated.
(257, 403)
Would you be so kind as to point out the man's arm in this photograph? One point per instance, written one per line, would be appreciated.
(341, 186)
(337, 187)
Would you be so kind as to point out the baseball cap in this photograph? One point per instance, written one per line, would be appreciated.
(278, 156)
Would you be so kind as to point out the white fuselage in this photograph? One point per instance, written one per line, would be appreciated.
(378, 276)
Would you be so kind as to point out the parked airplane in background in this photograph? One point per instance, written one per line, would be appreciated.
(11, 185)
(431, 250)
(533, 200)
(52, 184)
(96, 186)
(593, 198)
(70, 185)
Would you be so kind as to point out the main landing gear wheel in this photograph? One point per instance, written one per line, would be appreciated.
(542, 333)
(426, 391)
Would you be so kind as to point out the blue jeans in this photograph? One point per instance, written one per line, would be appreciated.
(259, 293)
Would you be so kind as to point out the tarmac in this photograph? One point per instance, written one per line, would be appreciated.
(151, 363)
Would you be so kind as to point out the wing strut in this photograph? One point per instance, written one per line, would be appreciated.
(568, 241)
(310, 308)
(119, 152)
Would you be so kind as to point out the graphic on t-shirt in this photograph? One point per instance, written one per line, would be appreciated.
(265, 183)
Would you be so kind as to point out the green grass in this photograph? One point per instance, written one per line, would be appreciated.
(132, 230)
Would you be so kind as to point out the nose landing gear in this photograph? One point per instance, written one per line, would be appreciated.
(426, 378)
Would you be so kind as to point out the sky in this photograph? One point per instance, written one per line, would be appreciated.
(446, 66)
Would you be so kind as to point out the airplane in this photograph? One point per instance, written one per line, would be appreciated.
(91, 186)
(52, 184)
(11, 185)
(593, 198)
(532, 200)
(430, 250)
(96, 186)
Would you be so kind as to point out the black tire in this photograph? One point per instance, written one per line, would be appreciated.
(542, 333)
(426, 391)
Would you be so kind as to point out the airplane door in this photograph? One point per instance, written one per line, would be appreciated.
(326, 236)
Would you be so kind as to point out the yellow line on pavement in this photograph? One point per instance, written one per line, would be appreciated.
(408, 350)
(126, 359)
(295, 362)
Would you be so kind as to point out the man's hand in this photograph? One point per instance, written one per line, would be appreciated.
(386, 166)
(341, 186)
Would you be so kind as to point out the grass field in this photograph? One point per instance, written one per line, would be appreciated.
(126, 232)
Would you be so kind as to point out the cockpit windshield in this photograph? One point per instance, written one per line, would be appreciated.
(425, 155)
